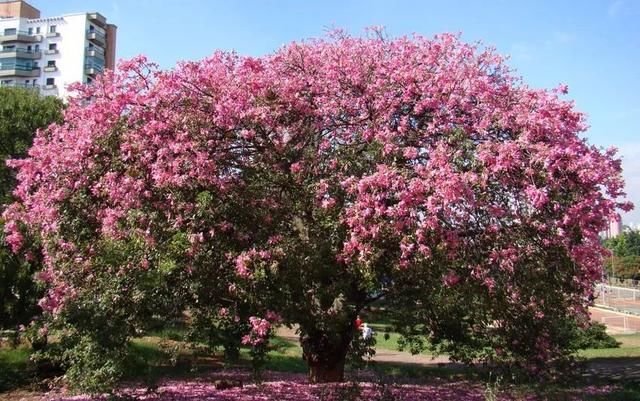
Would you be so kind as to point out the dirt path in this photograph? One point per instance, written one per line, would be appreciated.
(616, 322)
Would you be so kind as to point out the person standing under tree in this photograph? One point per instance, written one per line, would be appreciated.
(367, 332)
(358, 322)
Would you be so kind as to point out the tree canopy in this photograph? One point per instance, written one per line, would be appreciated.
(306, 184)
(625, 261)
(22, 113)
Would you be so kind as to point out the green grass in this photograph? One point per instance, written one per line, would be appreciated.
(14, 367)
(629, 348)
(174, 332)
(285, 356)
(147, 350)
(387, 339)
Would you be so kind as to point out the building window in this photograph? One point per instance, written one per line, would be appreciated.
(37, 29)
(29, 48)
(30, 31)
(10, 31)
(37, 48)
(35, 82)
(51, 63)
(52, 29)
(51, 81)
(92, 28)
(53, 46)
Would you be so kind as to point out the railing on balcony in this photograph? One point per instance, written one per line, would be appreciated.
(99, 51)
(20, 70)
(93, 68)
(97, 36)
(18, 67)
(19, 85)
(14, 35)
(97, 18)
(20, 53)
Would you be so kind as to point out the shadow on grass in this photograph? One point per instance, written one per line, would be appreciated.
(613, 368)
(596, 383)
(293, 363)
(149, 362)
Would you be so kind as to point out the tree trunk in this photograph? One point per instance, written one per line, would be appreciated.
(325, 354)
(326, 374)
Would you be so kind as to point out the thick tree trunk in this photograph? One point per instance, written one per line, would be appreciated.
(326, 374)
(325, 354)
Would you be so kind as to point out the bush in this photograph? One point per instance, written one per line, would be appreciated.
(595, 336)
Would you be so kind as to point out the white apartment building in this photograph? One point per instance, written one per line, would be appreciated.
(49, 53)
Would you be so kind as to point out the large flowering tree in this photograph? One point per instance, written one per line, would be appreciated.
(308, 183)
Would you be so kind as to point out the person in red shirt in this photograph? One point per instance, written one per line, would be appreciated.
(358, 322)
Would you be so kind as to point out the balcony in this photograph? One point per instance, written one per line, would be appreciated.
(19, 71)
(92, 70)
(51, 51)
(97, 37)
(19, 36)
(49, 87)
(20, 53)
(20, 85)
(53, 34)
(95, 52)
(50, 68)
(97, 19)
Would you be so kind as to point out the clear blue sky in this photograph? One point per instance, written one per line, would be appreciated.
(591, 45)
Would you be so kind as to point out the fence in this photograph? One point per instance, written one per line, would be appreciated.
(616, 322)
(619, 298)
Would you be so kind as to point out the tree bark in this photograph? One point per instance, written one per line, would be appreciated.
(325, 354)
(326, 374)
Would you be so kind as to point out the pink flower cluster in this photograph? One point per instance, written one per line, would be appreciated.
(260, 329)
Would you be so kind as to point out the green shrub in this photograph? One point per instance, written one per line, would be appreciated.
(595, 337)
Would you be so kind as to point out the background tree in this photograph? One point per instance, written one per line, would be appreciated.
(625, 260)
(22, 113)
(304, 185)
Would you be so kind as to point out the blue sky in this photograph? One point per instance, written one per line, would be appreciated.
(591, 45)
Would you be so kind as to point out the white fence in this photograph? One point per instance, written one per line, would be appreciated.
(621, 322)
(619, 298)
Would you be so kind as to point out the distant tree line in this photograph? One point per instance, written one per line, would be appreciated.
(22, 113)
(624, 264)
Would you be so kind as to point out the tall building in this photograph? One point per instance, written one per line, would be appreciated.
(614, 229)
(49, 53)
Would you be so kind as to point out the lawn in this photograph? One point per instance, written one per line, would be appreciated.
(14, 370)
(159, 359)
(629, 348)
